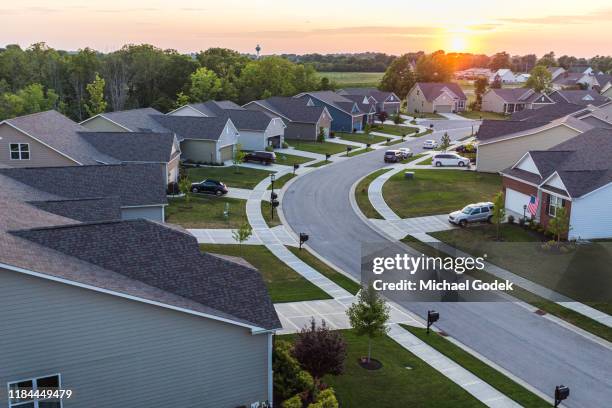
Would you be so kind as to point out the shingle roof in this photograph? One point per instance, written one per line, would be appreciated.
(492, 129)
(579, 97)
(194, 127)
(293, 109)
(333, 99)
(62, 134)
(85, 210)
(168, 260)
(134, 184)
(568, 78)
(137, 120)
(431, 90)
(133, 146)
(379, 96)
(547, 113)
(516, 95)
(248, 119)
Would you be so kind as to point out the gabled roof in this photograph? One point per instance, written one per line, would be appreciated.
(133, 184)
(431, 90)
(568, 78)
(168, 261)
(547, 113)
(60, 134)
(194, 127)
(582, 162)
(214, 108)
(333, 99)
(136, 120)
(579, 97)
(85, 209)
(293, 109)
(603, 79)
(242, 118)
(516, 95)
(580, 69)
(493, 129)
(378, 95)
(133, 146)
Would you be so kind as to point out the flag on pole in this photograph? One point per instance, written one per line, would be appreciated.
(533, 205)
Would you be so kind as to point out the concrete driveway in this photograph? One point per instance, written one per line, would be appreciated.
(532, 347)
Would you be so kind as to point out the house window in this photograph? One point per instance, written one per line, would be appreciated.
(554, 203)
(40, 392)
(20, 151)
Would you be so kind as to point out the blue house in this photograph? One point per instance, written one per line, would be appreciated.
(347, 114)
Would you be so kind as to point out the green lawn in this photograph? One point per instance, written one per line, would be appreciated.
(438, 191)
(284, 284)
(395, 130)
(403, 381)
(361, 137)
(267, 214)
(361, 195)
(413, 158)
(321, 148)
(241, 177)
(290, 159)
(394, 142)
(425, 115)
(483, 371)
(353, 79)
(204, 211)
(319, 164)
(428, 131)
(356, 152)
(564, 273)
(426, 162)
(340, 279)
(281, 181)
(483, 115)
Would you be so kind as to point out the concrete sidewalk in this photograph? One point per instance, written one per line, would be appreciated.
(277, 234)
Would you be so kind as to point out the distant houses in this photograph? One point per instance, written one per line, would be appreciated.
(436, 97)
(346, 113)
(385, 101)
(510, 100)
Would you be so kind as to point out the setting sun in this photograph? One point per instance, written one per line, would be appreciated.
(458, 43)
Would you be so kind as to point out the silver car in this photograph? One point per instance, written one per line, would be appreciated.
(479, 212)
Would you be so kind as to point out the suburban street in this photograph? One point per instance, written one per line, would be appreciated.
(533, 348)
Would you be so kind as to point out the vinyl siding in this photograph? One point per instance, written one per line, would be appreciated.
(100, 124)
(155, 213)
(491, 102)
(341, 121)
(416, 102)
(301, 131)
(199, 150)
(115, 352)
(40, 155)
(497, 156)
(590, 216)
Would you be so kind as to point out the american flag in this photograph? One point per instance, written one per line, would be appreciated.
(533, 205)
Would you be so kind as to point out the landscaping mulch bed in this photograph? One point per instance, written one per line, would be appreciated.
(373, 364)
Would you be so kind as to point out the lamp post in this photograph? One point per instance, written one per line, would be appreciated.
(524, 212)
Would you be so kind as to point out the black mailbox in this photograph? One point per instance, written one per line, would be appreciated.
(327, 156)
(274, 203)
(303, 238)
(432, 317)
(273, 196)
(561, 393)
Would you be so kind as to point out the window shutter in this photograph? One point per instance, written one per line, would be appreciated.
(547, 203)
(563, 203)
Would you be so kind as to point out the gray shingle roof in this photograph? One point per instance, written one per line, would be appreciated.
(194, 127)
(333, 99)
(134, 184)
(579, 97)
(133, 146)
(294, 109)
(547, 113)
(137, 120)
(431, 90)
(248, 119)
(168, 260)
(62, 134)
(516, 95)
(85, 210)
(379, 96)
(492, 129)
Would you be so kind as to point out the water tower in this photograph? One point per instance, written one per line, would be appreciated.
(258, 49)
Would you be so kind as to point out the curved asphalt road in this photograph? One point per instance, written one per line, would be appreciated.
(540, 352)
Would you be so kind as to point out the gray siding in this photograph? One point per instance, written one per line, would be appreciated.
(100, 124)
(40, 155)
(150, 213)
(199, 150)
(115, 352)
(301, 131)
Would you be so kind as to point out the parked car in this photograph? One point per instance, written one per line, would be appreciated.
(209, 186)
(430, 144)
(406, 152)
(261, 157)
(393, 156)
(449, 159)
(479, 212)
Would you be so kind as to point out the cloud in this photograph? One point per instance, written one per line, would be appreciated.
(604, 15)
(378, 31)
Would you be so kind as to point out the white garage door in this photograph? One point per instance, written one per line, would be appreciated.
(515, 201)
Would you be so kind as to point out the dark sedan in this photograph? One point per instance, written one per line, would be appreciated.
(209, 186)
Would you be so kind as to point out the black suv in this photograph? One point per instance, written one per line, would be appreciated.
(393, 156)
(209, 186)
(260, 157)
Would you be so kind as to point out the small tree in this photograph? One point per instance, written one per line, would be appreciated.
(480, 87)
(320, 351)
(181, 99)
(185, 188)
(382, 116)
(369, 315)
(238, 157)
(321, 135)
(497, 82)
(559, 224)
(96, 103)
(242, 234)
(445, 141)
(499, 213)
(397, 119)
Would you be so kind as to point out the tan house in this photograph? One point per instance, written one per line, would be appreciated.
(503, 143)
(510, 100)
(434, 97)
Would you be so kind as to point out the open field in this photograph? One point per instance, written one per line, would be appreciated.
(353, 79)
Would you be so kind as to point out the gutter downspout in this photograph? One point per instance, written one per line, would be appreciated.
(270, 371)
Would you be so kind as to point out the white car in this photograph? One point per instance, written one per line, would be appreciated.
(430, 144)
(449, 159)
(405, 152)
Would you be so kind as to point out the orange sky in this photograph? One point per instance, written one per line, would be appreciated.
(519, 26)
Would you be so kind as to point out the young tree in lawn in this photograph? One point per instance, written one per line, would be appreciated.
(397, 119)
(445, 141)
(382, 116)
(499, 213)
(369, 315)
(185, 188)
(96, 103)
(559, 224)
(320, 351)
(497, 83)
(480, 87)
(321, 135)
(242, 234)
(238, 158)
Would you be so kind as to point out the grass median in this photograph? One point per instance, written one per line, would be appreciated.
(361, 194)
(233, 176)
(204, 211)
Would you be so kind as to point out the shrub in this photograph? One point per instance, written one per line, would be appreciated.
(332, 134)
(320, 351)
(293, 402)
(289, 378)
(285, 145)
(522, 222)
(325, 399)
(511, 219)
(173, 188)
(269, 149)
(354, 130)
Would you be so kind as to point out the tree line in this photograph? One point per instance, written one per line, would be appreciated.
(80, 84)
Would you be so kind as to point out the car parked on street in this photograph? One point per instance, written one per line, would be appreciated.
(430, 144)
(406, 152)
(393, 156)
(449, 159)
(209, 186)
(261, 157)
(479, 212)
